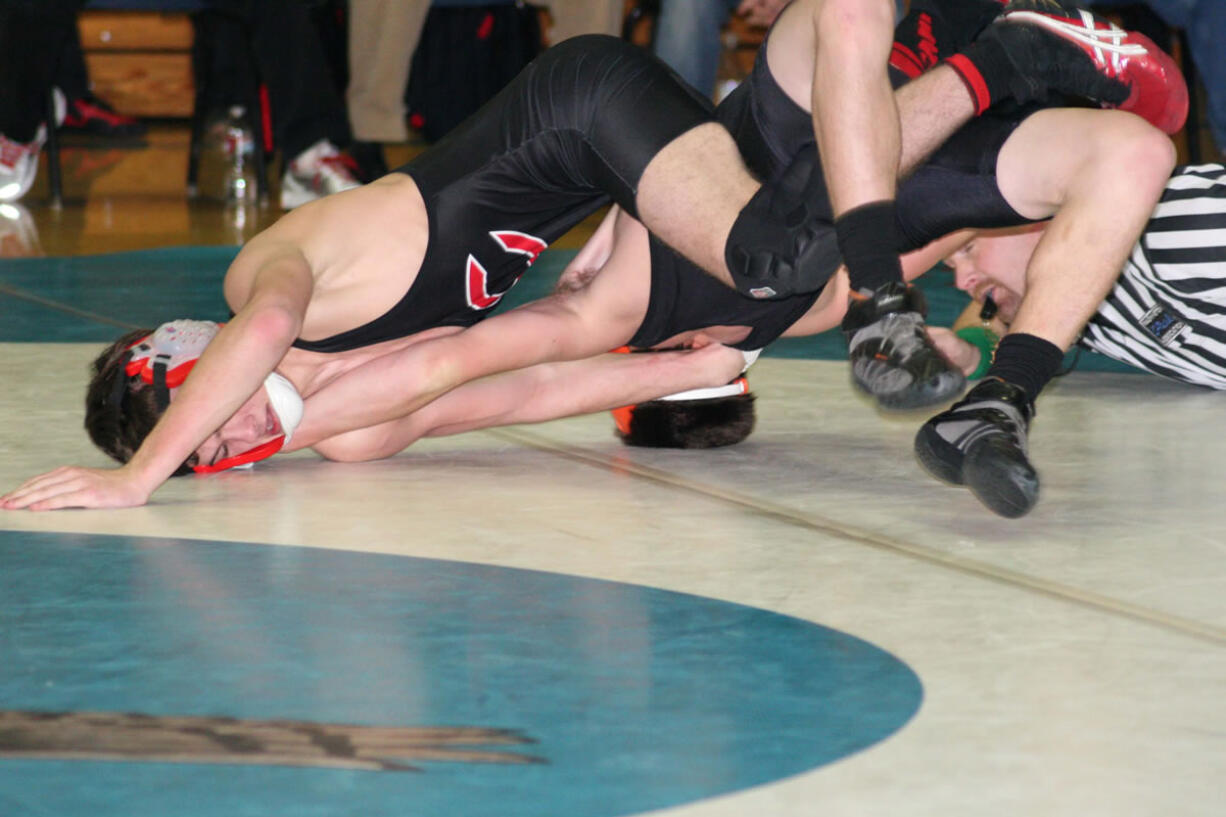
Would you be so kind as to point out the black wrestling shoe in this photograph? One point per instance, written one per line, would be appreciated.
(981, 443)
(891, 356)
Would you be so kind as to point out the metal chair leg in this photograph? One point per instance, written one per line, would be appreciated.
(52, 148)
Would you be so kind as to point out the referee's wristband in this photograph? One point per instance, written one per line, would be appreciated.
(986, 341)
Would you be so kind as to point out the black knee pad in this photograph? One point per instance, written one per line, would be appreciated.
(783, 241)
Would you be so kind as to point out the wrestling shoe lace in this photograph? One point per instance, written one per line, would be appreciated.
(1154, 87)
(1100, 37)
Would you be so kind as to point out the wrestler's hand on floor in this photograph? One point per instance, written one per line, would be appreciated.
(75, 487)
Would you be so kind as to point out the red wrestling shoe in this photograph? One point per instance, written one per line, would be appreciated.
(1157, 91)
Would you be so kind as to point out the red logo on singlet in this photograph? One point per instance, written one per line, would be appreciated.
(477, 280)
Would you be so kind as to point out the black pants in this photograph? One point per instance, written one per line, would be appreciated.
(33, 37)
(282, 42)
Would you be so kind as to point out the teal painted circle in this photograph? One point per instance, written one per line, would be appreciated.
(637, 699)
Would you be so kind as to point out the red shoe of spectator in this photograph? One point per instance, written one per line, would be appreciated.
(92, 115)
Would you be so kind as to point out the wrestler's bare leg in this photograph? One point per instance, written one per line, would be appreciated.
(692, 191)
(855, 116)
(831, 57)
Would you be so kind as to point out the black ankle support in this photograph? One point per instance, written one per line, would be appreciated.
(986, 70)
(1026, 361)
(867, 237)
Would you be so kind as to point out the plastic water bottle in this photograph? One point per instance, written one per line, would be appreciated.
(238, 143)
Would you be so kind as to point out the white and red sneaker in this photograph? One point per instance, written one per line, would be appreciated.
(19, 165)
(1157, 91)
(317, 172)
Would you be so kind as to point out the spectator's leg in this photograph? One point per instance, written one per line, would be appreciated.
(383, 35)
(72, 77)
(32, 34)
(574, 17)
(306, 105)
(687, 37)
(1206, 30)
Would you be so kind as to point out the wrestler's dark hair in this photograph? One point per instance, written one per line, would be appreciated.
(707, 423)
(120, 411)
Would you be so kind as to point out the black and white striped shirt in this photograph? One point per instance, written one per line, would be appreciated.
(1167, 312)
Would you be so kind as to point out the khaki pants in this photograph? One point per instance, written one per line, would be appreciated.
(383, 35)
(574, 17)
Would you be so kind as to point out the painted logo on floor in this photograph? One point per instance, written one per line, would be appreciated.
(154, 676)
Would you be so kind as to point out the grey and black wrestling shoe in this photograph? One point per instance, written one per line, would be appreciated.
(981, 443)
(892, 357)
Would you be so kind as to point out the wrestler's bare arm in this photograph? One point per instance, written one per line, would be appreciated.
(541, 393)
(564, 326)
(276, 283)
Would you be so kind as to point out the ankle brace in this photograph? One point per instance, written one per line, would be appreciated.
(985, 69)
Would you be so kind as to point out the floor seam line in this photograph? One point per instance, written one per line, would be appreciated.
(7, 289)
(1103, 604)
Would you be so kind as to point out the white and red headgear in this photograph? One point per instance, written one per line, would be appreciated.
(163, 360)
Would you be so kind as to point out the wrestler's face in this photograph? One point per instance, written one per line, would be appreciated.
(995, 264)
(255, 423)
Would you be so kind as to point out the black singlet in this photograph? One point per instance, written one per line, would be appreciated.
(577, 127)
(684, 298)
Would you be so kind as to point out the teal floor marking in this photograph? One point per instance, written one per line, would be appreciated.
(636, 698)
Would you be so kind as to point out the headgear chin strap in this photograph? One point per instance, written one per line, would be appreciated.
(288, 405)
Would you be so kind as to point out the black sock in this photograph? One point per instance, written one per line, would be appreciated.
(1026, 361)
(867, 239)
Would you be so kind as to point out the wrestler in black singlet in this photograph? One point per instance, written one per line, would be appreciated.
(575, 129)
(956, 188)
